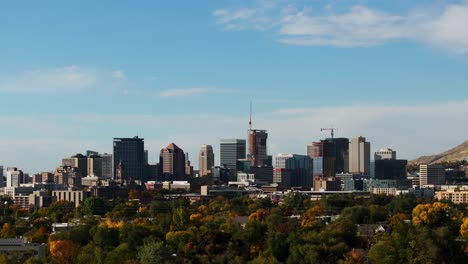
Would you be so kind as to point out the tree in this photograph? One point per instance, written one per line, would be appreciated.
(61, 211)
(435, 215)
(94, 206)
(464, 228)
(294, 202)
(153, 252)
(91, 254)
(63, 251)
(7, 231)
(120, 254)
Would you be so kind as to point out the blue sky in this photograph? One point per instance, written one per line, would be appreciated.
(75, 75)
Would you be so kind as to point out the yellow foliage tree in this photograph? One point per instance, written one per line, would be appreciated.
(309, 219)
(464, 228)
(63, 251)
(260, 215)
(7, 231)
(434, 214)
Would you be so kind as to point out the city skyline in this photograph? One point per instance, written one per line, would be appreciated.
(393, 73)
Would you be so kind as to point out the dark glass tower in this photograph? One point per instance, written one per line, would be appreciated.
(341, 154)
(130, 153)
(230, 151)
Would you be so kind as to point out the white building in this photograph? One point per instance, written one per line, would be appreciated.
(14, 177)
(385, 153)
(359, 156)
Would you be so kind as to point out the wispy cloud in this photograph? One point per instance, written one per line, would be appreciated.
(119, 74)
(359, 26)
(234, 19)
(185, 92)
(69, 78)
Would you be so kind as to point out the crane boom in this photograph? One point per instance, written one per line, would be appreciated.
(332, 130)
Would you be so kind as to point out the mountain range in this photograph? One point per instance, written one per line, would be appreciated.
(457, 153)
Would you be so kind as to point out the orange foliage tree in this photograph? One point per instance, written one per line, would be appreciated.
(63, 251)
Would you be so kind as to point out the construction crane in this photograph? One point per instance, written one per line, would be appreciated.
(332, 130)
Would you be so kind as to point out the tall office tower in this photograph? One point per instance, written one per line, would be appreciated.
(79, 161)
(385, 154)
(388, 169)
(431, 174)
(230, 151)
(341, 155)
(1, 176)
(172, 163)
(205, 160)
(106, 165)
(359, 156)
(129, 153)
(258, 147)
(323, 154)
(300, 167)
(95, 165)
(14, 177)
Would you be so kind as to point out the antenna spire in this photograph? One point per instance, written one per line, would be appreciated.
(250, 120)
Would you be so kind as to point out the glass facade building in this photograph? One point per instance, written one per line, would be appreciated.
(130, 153)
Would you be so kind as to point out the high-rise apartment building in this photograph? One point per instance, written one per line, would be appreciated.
(359, 156)
(431, 174)
(172, 163)
(129, 153)
(257, 147)
(230, 151)
(385, 154)
(79, 161)
(205, 160)
(14, 177)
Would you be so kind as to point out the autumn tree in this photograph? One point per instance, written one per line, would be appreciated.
(63, 251)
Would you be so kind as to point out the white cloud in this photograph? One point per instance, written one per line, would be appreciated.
(184, 92)
(360, 26)
(413, 130)
(69, 78)
(119, 74)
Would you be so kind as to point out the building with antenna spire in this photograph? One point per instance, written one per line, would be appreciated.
(257, 144)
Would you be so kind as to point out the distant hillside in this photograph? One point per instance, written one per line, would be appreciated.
(454, 154)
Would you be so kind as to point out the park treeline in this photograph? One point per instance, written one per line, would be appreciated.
(335, 229)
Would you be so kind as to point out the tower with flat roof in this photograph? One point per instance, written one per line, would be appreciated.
(130, 154)
(230, 151)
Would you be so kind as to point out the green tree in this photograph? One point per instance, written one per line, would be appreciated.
(120, 254)
(94, 206)
(61, 211)
(154, 252)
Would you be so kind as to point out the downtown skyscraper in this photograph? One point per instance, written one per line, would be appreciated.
(230, 151)
(359, 156)
(129, 159)
(205, 160)
(172, 163)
